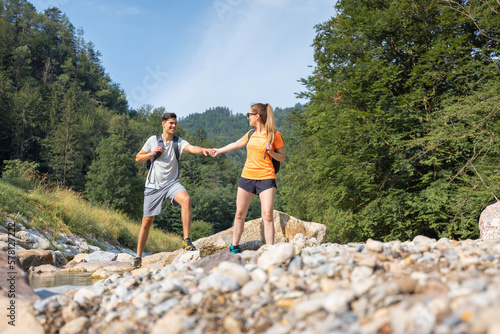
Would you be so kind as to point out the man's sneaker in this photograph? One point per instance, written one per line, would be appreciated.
(188, 245)
(235, 249)
(137, 263)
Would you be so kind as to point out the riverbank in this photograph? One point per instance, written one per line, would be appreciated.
(60, 220)
(419, 286)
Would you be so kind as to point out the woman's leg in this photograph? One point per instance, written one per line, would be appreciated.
(267, 208)
(243, 199)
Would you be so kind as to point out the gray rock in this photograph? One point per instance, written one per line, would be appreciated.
(209, 262)
(75, 326)
(307, 308)
(165, 306)
(419, 286)
(338, 301)
(252, 288)
(101, 256)
(360, 273)
(296, 263)
(277, 255)
(489, 222)
(259, 274)
(374, 246)
(421, 239)
(58, 259)
(86, 294)
(219, 283)
(71, 311)
(233, 270)
(49, 292)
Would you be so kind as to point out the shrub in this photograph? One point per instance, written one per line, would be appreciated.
(201, 229)
(21, 174)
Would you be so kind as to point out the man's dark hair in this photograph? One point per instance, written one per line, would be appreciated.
(168, 116)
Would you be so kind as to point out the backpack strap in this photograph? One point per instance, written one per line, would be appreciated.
(159, 139)
(176, 147)
(250, 133)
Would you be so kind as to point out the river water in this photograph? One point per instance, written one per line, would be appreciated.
(51, 280)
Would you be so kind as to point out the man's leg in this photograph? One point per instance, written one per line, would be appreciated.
(243, 199)
(266, 207)
(143, 234)
(182, 198)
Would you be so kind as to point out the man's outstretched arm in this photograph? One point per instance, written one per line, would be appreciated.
(196, 150)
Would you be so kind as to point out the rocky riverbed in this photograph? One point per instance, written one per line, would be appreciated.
(300, 286)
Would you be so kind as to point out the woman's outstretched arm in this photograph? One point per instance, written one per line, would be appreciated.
(233, 146)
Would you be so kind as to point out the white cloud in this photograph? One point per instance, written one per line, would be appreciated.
(256, 53)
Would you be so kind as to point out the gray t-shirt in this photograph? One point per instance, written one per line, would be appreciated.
(165, 169)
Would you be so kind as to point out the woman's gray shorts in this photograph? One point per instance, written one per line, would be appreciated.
(153, 198)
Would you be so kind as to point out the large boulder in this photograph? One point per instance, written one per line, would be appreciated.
(9, 268)
(58, 259)
(6, 239)
(285, 227)
(489, 222)
(159, 259)
(112, 266)
(33, 257)
(16, 294)
(35, 239)
(101, 256)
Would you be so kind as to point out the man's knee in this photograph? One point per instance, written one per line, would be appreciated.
(183, 199)
(147, 221)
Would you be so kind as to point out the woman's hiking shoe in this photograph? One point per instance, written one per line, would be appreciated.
(137, 263)
(188, 245)
(235, 249)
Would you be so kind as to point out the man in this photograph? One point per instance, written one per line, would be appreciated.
(163, 182)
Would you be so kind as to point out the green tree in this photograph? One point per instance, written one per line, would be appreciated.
(112, 178)
(387, 93)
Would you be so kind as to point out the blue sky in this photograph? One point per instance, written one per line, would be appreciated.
(188, 56)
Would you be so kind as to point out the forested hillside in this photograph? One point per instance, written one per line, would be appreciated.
(223, 126)
(400, 135)
(60, 110)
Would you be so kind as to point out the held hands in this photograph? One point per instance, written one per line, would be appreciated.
(206, 151)
(214, 152)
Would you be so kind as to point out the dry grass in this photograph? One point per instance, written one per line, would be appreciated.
(60, 210)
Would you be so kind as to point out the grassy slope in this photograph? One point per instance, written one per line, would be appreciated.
(59, 210)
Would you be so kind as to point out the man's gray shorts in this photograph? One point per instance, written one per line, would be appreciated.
(153, 198)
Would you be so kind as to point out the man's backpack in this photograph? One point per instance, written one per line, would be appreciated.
(276, 163)
(159, 139)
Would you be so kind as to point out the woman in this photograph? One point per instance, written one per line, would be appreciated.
(258, 176)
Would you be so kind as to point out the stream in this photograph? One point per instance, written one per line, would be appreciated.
(58, 281)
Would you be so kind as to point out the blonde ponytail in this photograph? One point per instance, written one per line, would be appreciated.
(270, 124)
